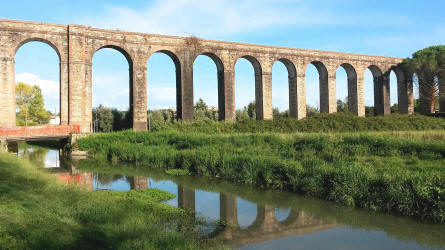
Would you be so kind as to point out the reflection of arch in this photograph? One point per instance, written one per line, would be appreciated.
(265, 220)
(291, 218)
(220, 77)
(178, 69)
(258, 84)
(323, 85)
(292, 78)
(352, 87)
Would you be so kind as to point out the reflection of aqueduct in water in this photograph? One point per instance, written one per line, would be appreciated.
(76, 45)
(265, 227)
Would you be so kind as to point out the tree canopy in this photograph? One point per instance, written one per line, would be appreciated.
(30, 105)
(429, 66)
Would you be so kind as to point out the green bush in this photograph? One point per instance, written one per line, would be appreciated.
(337, 122)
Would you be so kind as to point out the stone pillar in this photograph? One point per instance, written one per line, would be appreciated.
(386, 94)
(7, 92)
(186, 198)
(228, 209)
(301, 94)
(79, 71)
(139, 99)
(265, 221)
(139, 183)
(357, 96)
(328, 97)
(64, 92)
(293, 96)
(3, 145)
(405, 93)
(441, 93)
(381, 95)
(227, 108)
(186, 95)
(263, 95)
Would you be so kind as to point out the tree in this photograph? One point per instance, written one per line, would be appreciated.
(429, 66)
(312, 111)
(203, 111)
(30, 105)
(102, 119)
(251, 110)
(342, 106)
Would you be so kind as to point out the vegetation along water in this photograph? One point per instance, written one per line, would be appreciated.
(398, 172)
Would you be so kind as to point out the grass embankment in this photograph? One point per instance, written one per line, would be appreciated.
(37, 212)
(386, 172)
(338, 122)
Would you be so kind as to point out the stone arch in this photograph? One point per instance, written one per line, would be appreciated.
(403, 89)
(323, 85)
(258, 71)
(38, 39)
(292, 85)
(220, 82)
(178, 77)
(381, 91)
(351, 74)
(130, 62)
(63, 78)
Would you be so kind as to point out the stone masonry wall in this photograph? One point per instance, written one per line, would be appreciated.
(77, 44)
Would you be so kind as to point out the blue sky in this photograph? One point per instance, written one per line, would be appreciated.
(391, 28)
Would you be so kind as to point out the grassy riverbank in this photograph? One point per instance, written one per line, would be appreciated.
(37, 212)
(400, 172)
(337, 122)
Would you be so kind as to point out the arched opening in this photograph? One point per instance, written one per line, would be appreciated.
(346, 89)
(341, 85)
(248, 77)
(163, 88)
(369, 93)
(378, 94)
(247, 212)
(316, 87)
(284, 89)
(37, 78)
(416, 93)
(112, 90)
(207, 206)
(281, 214)
(393, 92)
(208, 84)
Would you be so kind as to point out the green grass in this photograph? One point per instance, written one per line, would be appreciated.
(398, 172)
(37, 212)
(337, 122)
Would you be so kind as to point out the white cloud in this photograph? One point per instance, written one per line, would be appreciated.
(208, 19)
(218, 18)
(50, 89)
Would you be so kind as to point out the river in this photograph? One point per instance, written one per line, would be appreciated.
(244, 217)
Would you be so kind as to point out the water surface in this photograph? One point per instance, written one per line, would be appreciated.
(248, 218)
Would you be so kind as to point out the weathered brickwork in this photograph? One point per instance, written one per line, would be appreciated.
(76, 45)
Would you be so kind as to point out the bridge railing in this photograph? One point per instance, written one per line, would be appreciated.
(39, 131)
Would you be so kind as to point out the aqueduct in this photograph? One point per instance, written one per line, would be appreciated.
(76, 45)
